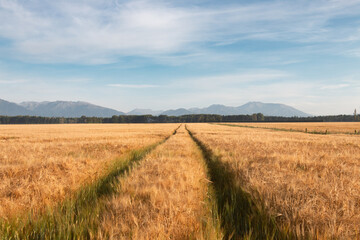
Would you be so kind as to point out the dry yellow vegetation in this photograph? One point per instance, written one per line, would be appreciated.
(42, 164)
(164, 197)
(308, 182)
(321, 127)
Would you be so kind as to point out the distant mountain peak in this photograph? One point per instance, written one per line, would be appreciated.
(271, 109)
(60, 109)
(12, 109)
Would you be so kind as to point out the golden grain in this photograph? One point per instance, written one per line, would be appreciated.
(164, 197)
(310, 182)
(42, 164)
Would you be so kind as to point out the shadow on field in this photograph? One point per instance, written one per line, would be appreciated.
(241, 217)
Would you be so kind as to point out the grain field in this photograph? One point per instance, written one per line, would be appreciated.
(310, 183)
(43, 164)
(163, 198)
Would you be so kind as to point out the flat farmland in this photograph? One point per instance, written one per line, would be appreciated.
(308, 183)
(42, 164)
(179, 181)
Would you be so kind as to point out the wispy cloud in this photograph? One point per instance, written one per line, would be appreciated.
(99, 31)
(133, 85)
(354, 52)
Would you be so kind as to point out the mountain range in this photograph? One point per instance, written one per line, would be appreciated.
(78, 109)
(268, 109)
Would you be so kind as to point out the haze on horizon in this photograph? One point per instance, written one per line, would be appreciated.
(169, 54)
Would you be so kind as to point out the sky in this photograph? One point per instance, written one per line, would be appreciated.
(170, 54)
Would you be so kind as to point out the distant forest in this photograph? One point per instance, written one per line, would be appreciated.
(171, 119)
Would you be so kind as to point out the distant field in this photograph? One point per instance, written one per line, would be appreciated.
(180, 181)
(323, 127)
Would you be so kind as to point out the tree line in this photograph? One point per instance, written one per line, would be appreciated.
(259, 117)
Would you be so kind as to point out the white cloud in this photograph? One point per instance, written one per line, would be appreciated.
(99, 31)
(86, 32)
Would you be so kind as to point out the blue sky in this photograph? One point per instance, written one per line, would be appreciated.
(171, 54)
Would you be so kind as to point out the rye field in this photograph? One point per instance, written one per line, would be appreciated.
(180, 181)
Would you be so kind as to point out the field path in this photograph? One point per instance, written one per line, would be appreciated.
(164, 197)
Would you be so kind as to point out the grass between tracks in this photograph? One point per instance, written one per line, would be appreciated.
(77, 217)
(241, 217)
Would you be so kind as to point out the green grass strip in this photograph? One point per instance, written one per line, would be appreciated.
(78, 217)
(240, 216)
